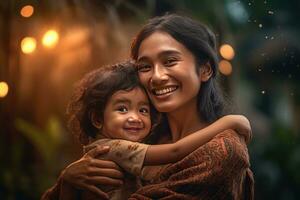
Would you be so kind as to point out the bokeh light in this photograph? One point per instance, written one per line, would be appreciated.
(3, 89)
(50, 39)
(227, 51)
(27, 11)
(28, 45)
(225, 67)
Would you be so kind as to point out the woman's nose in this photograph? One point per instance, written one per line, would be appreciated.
(159, 75)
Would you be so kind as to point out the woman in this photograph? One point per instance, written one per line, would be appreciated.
(177, 65)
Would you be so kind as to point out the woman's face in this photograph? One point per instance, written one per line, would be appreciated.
(167, 69)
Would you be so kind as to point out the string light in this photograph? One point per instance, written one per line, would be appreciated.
(50, 39)
(3, 89)
(28, 45)
(27, 11)
(225, 67)
(227, 52)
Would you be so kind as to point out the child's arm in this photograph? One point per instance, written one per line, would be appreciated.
(169, 153)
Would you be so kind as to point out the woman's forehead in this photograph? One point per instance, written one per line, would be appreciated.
(159, 43)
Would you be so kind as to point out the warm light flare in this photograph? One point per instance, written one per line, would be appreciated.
(50, 39)
(3, 89)
(27, 11)
(28, 45)
(225, 67)
(227, 51)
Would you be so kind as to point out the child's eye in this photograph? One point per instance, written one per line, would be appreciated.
(143, 67)
(122, 109)
(144, 110)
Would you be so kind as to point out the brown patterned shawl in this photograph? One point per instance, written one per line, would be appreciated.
(217, 170)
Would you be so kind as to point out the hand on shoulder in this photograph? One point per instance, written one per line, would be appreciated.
(241, 125)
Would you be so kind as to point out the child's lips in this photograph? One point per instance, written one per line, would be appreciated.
(133, 129)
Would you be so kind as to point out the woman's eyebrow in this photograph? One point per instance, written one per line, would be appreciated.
(143, 58)
(161, 54)
(168, 53)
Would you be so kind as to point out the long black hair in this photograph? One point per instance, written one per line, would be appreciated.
(199, 40)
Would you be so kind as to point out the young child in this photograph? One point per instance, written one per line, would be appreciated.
(111, 108)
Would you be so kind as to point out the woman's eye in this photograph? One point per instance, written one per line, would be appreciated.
(144, 110)
(122, 109)
(143, 67)
(170, 62)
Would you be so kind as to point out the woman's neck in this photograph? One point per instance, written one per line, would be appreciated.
(185, 121)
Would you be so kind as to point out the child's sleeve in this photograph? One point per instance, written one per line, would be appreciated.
(128, 155)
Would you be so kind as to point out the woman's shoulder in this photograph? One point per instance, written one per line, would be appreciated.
(226, 148)
(230, 136)
(230, 139)
(230, 146)
(226, 153)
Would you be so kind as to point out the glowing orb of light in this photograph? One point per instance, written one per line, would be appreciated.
(227, 51)
(27, 11)
(3, 89)
(28, 45)
(50, 39)
(225, 67)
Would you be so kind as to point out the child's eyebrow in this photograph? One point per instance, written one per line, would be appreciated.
(121, 100)
(144, 103)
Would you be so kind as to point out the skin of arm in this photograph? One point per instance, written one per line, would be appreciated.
(170, 153)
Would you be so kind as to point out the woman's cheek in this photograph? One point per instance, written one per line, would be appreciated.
(143, 79)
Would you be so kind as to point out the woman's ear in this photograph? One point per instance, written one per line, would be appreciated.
(95, 120)
(205, 72)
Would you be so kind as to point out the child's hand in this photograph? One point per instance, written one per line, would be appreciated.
(240, 124)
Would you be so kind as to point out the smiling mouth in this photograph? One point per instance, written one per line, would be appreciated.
(133, 129)
(165, 90)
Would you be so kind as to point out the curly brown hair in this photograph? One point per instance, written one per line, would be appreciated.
(92, 92)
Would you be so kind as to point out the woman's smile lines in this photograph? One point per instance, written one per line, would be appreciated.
(164, 90)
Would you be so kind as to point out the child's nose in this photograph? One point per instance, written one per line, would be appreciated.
(134, 119)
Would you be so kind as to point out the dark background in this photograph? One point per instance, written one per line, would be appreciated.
(35, 144)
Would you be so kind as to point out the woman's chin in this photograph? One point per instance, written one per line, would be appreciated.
(165, 108)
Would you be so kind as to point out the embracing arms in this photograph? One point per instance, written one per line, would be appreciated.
(169, 153)
(217, 170)
(86, 174)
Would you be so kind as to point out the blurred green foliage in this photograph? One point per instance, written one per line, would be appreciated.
(27, 177)
(276, 162)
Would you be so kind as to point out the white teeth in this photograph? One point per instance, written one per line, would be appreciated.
(164, 90)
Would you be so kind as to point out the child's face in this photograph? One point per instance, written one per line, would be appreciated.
(127, 115)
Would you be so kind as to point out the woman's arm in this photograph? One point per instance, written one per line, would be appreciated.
(86, 173)
(169, 153)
